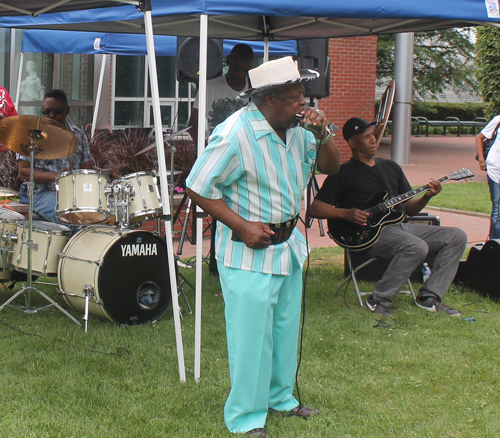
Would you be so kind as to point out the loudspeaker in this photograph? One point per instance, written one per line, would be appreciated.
(424, 219)
(188, 58)
(482, 268)
(313, 54)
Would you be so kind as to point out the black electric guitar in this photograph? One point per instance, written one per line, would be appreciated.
(382, 214)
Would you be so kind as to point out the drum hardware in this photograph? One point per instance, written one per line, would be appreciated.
(181, 280)
(172, 150)
(88, 291)
(26, 135)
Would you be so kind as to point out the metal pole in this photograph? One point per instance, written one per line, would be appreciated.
(199, 220)
(401, 113)
(155, 93)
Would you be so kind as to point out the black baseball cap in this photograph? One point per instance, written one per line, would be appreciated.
(355, 126)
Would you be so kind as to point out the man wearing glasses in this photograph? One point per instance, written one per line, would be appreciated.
(55, 107)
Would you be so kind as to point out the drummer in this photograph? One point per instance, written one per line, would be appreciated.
(55, 107)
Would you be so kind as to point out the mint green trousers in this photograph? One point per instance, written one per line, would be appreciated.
(262, 327)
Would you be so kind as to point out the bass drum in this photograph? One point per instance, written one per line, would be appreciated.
(126, 271)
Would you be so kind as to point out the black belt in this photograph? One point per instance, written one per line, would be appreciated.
(282, 231)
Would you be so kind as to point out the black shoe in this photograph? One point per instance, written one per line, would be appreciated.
(257, 433)
(302, 411)
(434, 305)
(378, 308)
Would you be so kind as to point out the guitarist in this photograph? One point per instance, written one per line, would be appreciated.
(402, 245)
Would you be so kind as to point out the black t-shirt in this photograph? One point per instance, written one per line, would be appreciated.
(356, 183)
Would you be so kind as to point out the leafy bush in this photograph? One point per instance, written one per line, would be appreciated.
(8, 169)
(121, 146)
(488, 59)
(439, 111)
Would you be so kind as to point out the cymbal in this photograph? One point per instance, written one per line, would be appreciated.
(176, 172)
(5, 192)
(53, 140)
(165, 138)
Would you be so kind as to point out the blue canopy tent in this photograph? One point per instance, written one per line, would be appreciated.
(238, 19)
(59, 41)
(100, 43)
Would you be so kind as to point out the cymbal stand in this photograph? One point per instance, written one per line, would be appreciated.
(171, 184)
(27, 290)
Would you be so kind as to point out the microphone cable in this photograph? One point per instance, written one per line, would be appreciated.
(304, 281)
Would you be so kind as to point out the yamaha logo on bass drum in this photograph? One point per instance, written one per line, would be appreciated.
(139, 249)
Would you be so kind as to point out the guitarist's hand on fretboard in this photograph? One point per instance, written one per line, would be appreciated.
(434, 188)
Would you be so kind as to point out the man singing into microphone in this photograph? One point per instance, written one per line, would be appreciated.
(251, 178)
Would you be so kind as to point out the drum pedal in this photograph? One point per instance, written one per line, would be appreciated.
(88, 291)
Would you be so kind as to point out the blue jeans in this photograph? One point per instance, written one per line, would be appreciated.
(44, 203)
(495, 209)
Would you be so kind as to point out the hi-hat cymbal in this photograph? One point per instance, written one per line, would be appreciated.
(5, 192)
(165, 138)
(53, 140)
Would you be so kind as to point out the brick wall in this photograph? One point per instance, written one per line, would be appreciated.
(352, 83)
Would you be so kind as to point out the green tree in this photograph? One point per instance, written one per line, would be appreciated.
(443, 59)
(488, 62)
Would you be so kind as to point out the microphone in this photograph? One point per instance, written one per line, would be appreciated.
(310, 127)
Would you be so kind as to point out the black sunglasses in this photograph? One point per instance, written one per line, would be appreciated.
(56, 112)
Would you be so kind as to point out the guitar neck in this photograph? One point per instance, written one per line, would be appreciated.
(402, 198)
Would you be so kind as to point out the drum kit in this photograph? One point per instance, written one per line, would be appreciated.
(109, 268)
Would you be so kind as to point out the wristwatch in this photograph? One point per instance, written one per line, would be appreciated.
(329, 133)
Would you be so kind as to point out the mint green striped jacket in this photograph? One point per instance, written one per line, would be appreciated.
(247, 165)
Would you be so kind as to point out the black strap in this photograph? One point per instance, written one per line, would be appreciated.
(381, 173)
(494, 135)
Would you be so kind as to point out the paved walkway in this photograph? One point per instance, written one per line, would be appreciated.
(430, 157)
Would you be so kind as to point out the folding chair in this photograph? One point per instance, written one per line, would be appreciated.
(352, 276)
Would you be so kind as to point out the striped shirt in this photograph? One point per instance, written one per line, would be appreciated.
(82, 155)
(261, 179)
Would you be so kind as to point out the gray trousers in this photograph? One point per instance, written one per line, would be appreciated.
(405, 246)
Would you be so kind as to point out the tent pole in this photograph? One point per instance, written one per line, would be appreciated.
(266, 49)
(202, 110)
(98, 96)
(19, 77)
(164, 189)
(401, 113)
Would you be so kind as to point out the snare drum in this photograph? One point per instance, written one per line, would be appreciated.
(48, 240)
(144, 200)
(81, 198)
(125, 273)
(8, 225)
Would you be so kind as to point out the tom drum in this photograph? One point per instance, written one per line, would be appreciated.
(144, 198)
(81, 198)
(48, 240)
(8, 224)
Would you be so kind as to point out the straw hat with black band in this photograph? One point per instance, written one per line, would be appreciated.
(280, 73)
(276, 73)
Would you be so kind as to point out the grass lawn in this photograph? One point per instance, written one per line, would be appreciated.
(470, 196)
(419, 375)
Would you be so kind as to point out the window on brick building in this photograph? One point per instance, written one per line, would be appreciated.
(133, 104)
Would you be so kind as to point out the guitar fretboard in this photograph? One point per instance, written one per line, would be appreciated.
(402, 198)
